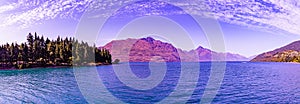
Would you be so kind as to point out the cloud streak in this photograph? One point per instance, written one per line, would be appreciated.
(268, 15)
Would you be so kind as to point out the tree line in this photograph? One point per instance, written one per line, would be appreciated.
(41, 52)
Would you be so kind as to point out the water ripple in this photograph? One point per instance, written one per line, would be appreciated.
(243, 83)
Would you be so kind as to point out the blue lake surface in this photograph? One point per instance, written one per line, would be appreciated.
(243, 82)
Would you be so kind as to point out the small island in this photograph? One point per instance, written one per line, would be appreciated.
(41, 52)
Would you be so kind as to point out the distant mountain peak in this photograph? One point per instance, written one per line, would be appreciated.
(148, 39)
(200, 47)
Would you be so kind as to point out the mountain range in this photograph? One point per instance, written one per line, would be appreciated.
(148, 49)
(288, 53)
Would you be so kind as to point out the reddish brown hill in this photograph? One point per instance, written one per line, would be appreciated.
(288, 53)
(143, 50)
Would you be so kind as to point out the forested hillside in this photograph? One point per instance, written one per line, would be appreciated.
(41, 52)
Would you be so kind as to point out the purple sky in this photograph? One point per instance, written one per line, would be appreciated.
(249, 28)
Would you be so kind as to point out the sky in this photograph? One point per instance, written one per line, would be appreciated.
(248, 27)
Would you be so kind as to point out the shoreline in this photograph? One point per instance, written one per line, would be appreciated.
(54, 66)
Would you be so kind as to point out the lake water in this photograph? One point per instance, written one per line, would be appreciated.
(153, 82)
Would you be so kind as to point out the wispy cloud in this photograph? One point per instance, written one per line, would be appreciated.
(268, 15)
(26, 13)
(6, 8)
(263, 14)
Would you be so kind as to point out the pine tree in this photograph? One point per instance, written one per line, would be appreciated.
(30, 48)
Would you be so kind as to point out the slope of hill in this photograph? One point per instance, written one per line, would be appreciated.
(288, 53)
(252, 57)
(149, 49)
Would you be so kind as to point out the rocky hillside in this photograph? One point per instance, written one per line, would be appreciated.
(149, 49)
(143, 50)
(288, 53)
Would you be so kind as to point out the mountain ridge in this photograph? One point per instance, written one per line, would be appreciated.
(148, 49)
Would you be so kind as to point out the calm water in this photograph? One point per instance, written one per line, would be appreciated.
(158, 82)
